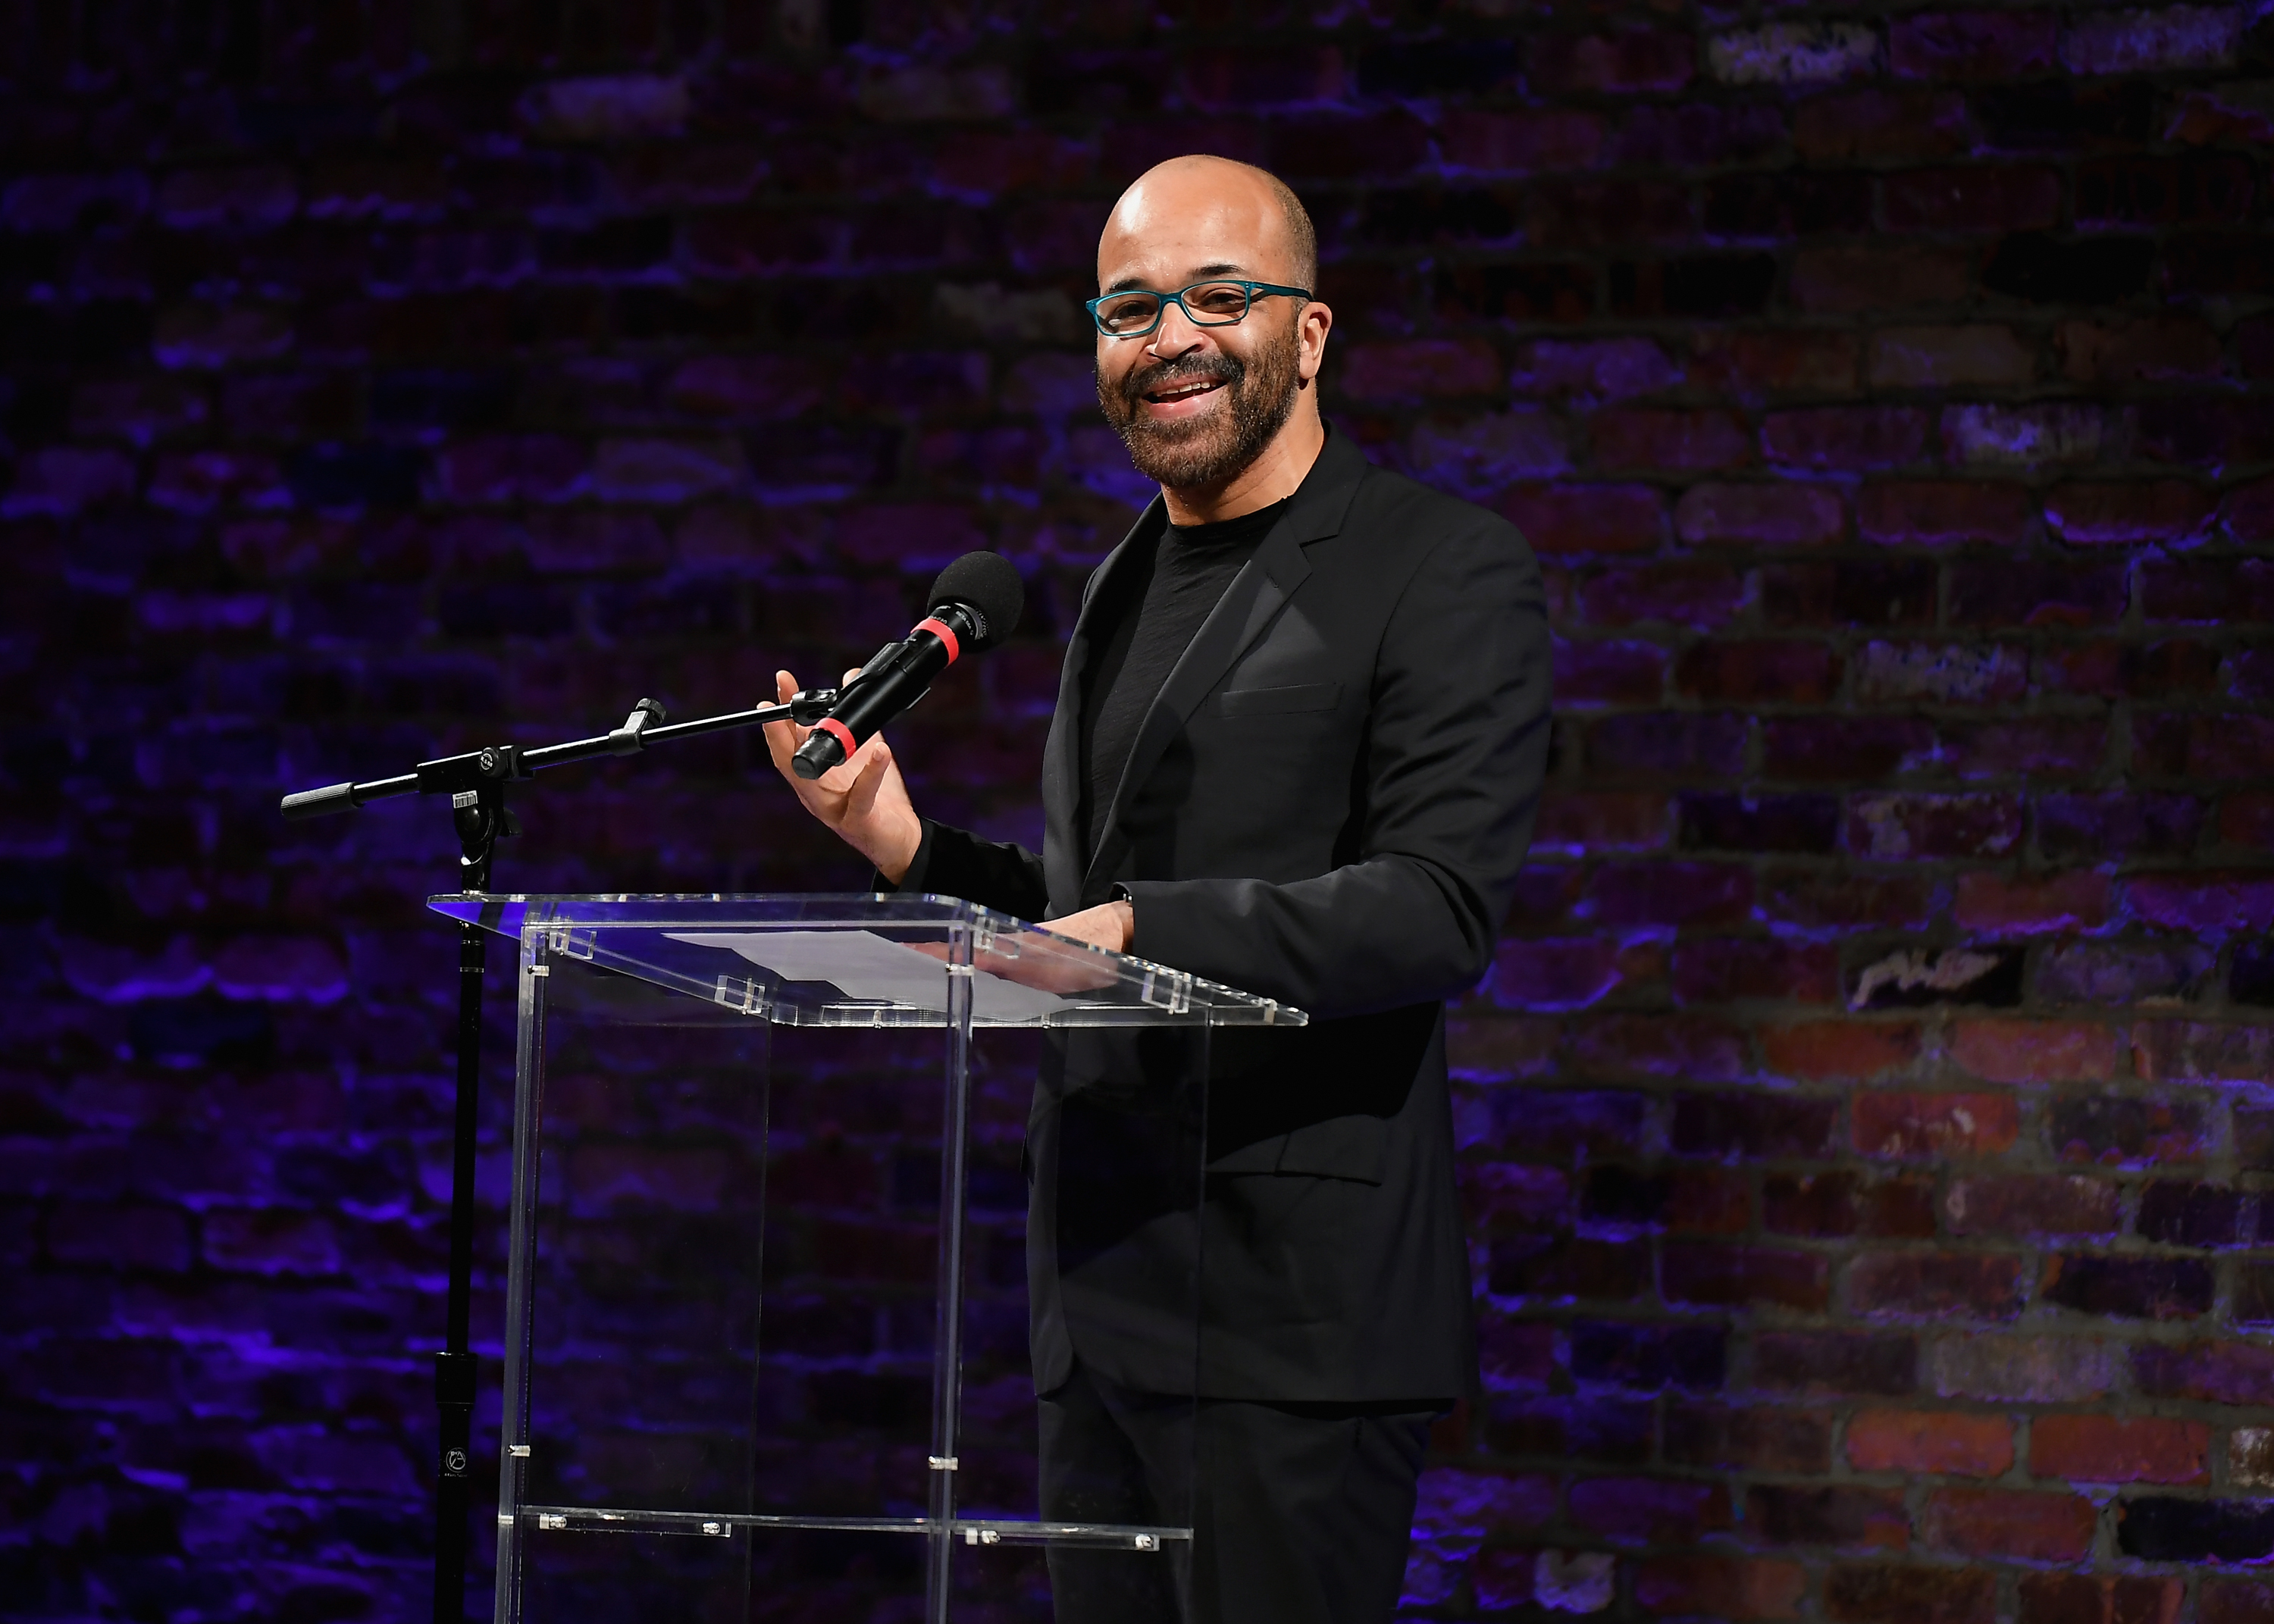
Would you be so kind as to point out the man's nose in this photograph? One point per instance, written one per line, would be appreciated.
(1175, 335)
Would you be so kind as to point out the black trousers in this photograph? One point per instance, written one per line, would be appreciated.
(1300, 1513)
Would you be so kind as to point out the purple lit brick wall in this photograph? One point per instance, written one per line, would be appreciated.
(1867, 1121)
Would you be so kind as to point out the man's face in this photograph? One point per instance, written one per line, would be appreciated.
(1196, 404)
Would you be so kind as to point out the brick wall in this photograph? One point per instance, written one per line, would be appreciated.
(1867, 1119)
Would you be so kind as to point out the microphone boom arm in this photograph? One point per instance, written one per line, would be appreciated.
(500, 763)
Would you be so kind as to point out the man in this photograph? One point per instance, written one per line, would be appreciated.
(1299, 742)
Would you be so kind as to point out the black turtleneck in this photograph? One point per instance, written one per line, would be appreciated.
(1170, 591)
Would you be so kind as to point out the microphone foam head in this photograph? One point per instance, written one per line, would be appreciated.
(989, 582)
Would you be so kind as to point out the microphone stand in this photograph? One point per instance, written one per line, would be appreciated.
(475, 782)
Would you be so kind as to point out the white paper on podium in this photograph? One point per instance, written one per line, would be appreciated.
(867, 968)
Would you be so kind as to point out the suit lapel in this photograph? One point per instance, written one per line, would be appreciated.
(1062, 831)
(1247, 607)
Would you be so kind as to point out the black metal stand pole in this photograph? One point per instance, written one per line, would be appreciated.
(475, 782)
(481, 817)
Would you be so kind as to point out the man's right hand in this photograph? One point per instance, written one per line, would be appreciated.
(862, 800)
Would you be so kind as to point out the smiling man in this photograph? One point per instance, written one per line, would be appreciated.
(1298, 744)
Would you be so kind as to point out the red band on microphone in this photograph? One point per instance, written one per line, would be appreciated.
(838, 731)
(941, 630)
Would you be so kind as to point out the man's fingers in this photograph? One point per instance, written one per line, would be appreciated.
(868, 767)
(783, 738)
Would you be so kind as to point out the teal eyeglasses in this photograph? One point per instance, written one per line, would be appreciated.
(1131, 313)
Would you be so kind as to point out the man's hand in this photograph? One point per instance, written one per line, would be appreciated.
(862, 800)
(1110, 925)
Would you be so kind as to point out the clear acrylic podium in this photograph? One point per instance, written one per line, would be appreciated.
(772, 1304)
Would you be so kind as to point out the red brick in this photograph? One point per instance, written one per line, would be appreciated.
(2204, 1051)
(2032, 904)
(1420, 367)
(1603, 672)
(2203, 746)
(1879, 1363)
(1910, 826)
(2032, 1203)
(1842, 1515)
(1886, 277)
(2228, 1372)
(2040, 1528)
(1994, 674)
(1874, 126)
(2105, 1448)
(2226, 1601)
(2081, 1599)
(1589, 213)
(1947, 1283)
(271, 1241)
(1726, 1587)
(1717, 1275)
(1845, 1204)
(1971, 46)
(1839, 438)
(2168, 512)
(1759, 515)
(1780, 672)
(1564, 63)
(1884, 1593)
(1832, 748)
(1942, 513)
(2041, 747)
(1763, 1438)
(1594, 821)
(1816, 1051)
(2011, 1050)
(1560, 519)
(63, 480)
(2220, 591)
(2203, 899)
(123, 1237)
(1700, 594)
(1388, 144)
(2247, 817)
(2174, 38)
(1891, 1123)
(1750, 363)
(1650, 1045)
(1933, 357)
(1520, 142)
(1645, 437)
(1972, 200)
(1955, 1443)
(1719, 971)
(2248, 510)
(2143, 351)
(2036, 1370)
(1750, 1125)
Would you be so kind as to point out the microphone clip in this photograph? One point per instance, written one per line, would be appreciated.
(626, 740)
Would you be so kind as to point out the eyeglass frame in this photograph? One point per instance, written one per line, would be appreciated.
(1252, 289)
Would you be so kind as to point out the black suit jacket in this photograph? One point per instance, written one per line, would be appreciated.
(1327, 804)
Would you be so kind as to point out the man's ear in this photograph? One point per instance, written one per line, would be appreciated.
(1313, 324)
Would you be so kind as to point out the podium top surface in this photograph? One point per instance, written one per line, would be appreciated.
(859, 959)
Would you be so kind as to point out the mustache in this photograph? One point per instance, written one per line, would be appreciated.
(1185, 368)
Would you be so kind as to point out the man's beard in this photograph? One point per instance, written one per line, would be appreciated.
(1210, 448)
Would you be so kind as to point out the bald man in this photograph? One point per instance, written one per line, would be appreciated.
(1299, 743)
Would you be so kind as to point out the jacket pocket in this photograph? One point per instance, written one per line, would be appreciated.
(1354, 1147)
(1279, 701)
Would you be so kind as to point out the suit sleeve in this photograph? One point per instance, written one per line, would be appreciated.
(1451, 769)
(950, 862)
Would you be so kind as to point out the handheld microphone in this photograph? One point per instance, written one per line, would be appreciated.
(974, 606)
